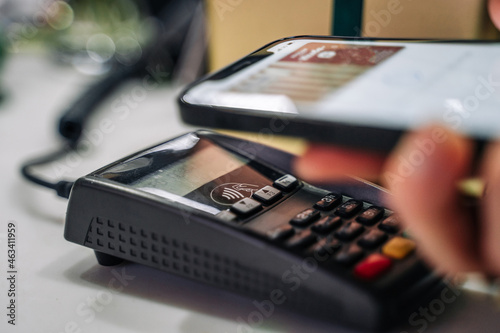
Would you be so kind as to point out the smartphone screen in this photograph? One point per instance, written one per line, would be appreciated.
(387, 84)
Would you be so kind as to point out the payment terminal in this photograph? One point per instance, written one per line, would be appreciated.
(228, 213)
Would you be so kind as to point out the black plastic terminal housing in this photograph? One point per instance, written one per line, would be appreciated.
(248, 255)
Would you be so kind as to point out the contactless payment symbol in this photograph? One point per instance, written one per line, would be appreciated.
(230, 193)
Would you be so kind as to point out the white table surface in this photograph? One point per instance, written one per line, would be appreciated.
(60, 286)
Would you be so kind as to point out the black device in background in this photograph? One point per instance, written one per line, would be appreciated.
(177, 21)
(179, 28)
(217, 210)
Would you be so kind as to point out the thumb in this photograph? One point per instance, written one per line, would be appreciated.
(425, 171)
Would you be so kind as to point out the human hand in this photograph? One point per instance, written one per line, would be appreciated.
(422, 174)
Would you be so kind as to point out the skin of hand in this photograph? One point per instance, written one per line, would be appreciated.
(422, 174)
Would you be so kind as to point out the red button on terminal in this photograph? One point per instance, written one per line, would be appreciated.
(372, 267)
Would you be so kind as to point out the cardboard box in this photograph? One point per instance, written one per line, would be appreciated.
(238, 27)
(447, 19)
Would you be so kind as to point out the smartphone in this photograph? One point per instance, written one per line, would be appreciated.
(222, 212)
(360, 93)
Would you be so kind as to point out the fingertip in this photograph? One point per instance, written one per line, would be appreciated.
(313, 164)
(330, 163)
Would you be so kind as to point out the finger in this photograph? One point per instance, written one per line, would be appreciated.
(494, 9)
(422, 175)
(327, 163)
(490, 227)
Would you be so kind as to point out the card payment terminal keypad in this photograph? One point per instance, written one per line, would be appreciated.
(363, 238)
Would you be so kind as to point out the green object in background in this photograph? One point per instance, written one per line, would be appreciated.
(347, 18)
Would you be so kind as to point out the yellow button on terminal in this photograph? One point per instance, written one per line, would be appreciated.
(398, 247)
